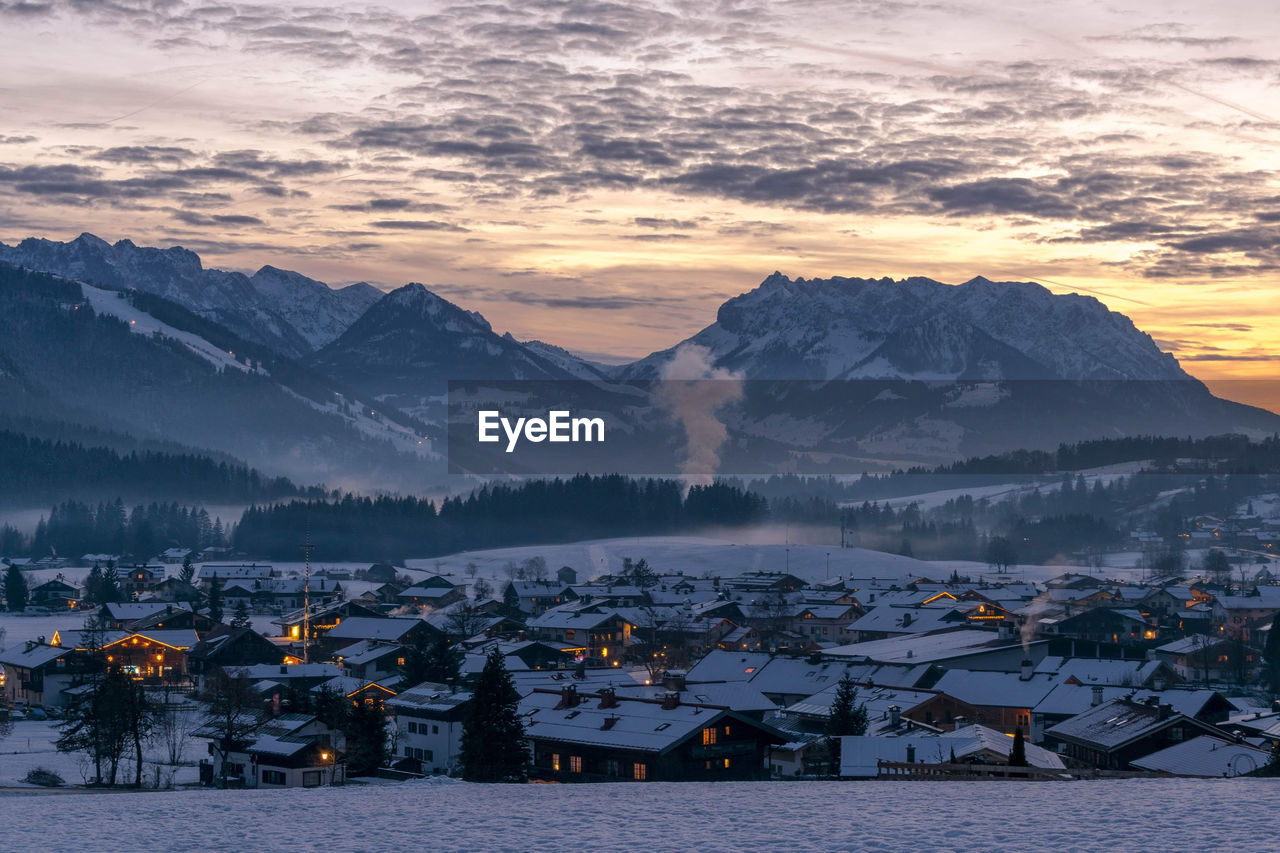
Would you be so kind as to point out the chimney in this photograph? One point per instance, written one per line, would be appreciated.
(608, 698)
(895, 716)
(674, 679)
(1028, 669)
(959, 723)
(609, 722)
(1166, 710)
(1097, 696)
(906, 619)
(568, 697)
(670, 700)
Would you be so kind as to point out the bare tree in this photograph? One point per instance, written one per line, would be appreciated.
(234, 712)
(465, 620)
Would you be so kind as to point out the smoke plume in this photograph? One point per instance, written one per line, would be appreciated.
(693, 391)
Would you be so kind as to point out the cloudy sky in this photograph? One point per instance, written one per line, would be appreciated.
(602, 175)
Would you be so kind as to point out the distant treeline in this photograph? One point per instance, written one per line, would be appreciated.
(1221, 454)
(74, 528)
(559, 510)
(36, 469)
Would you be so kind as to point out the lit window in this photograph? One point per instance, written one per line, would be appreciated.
(640, 772)
(555, 761)
(708, 736)
(575, 763)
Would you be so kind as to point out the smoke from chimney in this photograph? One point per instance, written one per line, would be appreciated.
(693, 390)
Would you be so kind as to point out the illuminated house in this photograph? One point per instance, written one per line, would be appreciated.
(605, 737)
(226, 646)
(38, 674)
(1120, 731)
(597, 637)
(160, 655)
(323, 618)
(55, 594)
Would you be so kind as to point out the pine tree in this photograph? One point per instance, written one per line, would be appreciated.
(511, 602)
(188, 573)
(366, 731)
(1018, 755)
(846, 718)
(109, 590)
(215, 599)
(15, 590)
(93, 585)
(240, 615)
(493, 742)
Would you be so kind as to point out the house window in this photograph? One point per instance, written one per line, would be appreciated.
(612, 767)
(273, 777)
(708, 736)
(575, 763)
(435, 730)
(413, 728)
(569, 633)
(640, 772)
(399, 661)
(311, 779)
(555, 761)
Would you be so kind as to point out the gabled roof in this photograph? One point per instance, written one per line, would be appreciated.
(1205, 756)
(924, 648)
(179, 638)
(368, 628)
(31, 656)
(637, 724)
(430, 696)
(1118, 722)
(720, 665)
(995, 689)
(559, 619)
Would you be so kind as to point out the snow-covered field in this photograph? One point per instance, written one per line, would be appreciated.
(795, 816)
(693, 555)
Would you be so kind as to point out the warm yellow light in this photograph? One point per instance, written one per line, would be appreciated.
(324, 756)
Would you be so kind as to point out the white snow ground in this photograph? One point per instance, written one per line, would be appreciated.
(795, 816)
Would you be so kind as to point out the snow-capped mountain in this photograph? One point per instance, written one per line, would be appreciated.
(406, 348)
(318, 312)
(288, 312)
(917, 328)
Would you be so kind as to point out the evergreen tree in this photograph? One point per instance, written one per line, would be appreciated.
(15, 590)
(188, 572)
(511, 602)
(366, 731)
(493, 742)
(435, 660)
(240, 615)
(215, 599)
(109, 591)
(93, 585)
(1018, 755)
(846, 718)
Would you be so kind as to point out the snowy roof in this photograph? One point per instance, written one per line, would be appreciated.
(860, 754)
(426, 592)
(920, 648)
(1113, 724)
(366, 651)
(995, 689)
(282, 672)
(638, 724)
(877, 700)
(720, 665)
(178, 638)
(372, 628)
(892, 618)
(31, 656)
(734, 695)
(1194, 643)
(1093, 671)
(131, 611)
(553, 679)
(430, 696)
(1205, 756)
(562, 619)
(80, 639)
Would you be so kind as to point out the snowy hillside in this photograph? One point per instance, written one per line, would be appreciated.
(730, 816)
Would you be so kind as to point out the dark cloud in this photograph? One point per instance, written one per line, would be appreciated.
(416, 225)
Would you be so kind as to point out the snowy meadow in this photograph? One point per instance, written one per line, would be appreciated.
(1233, 815)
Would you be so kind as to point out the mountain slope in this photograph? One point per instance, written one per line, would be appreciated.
(80, 354)
(406, 348)
(288, 312)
